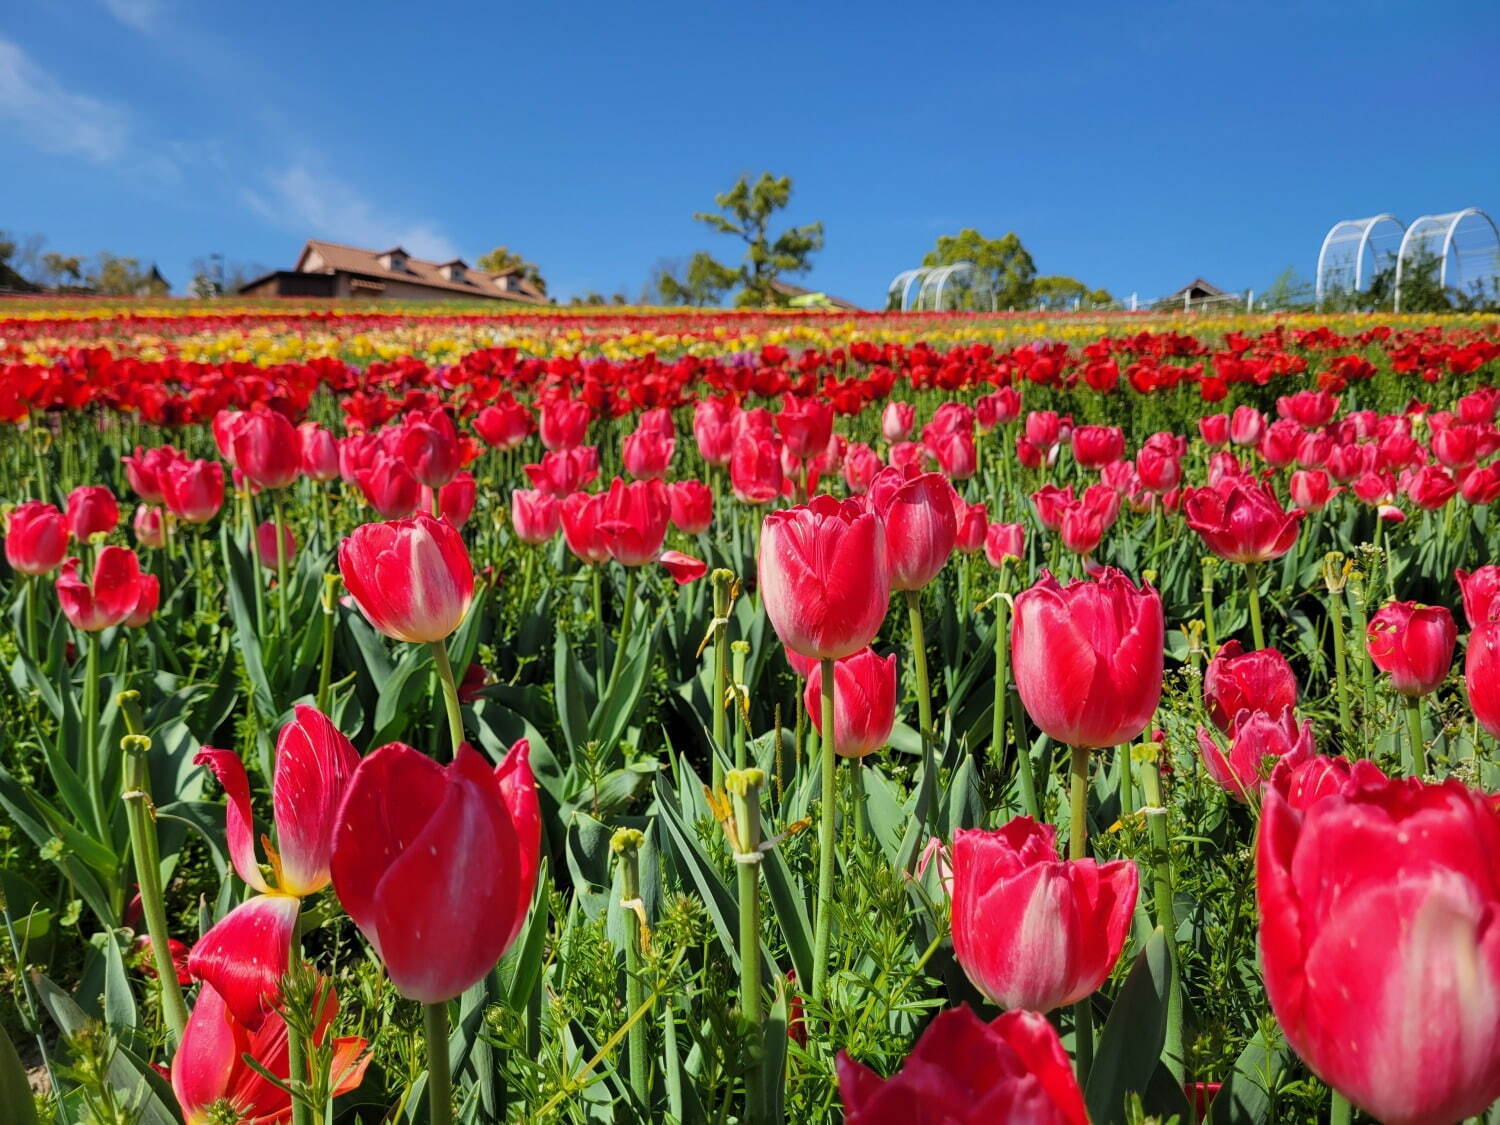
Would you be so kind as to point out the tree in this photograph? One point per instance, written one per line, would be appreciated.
(503, 260)
(10, 277)
(704, 282)
(1058, 291)
(1007, 264)
(116, 276)
(745, 211)
(62, 269)
(1290, 290)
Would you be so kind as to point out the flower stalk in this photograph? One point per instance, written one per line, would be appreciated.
(826, 836)
(626, 844)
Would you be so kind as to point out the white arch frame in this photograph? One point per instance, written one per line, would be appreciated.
(936, 281)
(904, 281)
(1344, 231)
(1427, 228)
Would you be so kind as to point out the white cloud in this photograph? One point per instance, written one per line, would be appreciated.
(54, 118)
(319, 206)
(139, 14)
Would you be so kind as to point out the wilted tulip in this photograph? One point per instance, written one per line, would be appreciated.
(824, 576)
(1377, 899)
(411, 578)
(864, 702)
(1088, 657)
(1032, 930)
(436, 864)
(966, 1072)
(1258, 741)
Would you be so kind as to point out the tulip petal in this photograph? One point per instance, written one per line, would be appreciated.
(314, 764)
(518, 791)
(207, 1055)
(445, 907)
(245, 955)
(239, 821)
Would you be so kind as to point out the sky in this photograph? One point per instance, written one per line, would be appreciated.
(1134, 146)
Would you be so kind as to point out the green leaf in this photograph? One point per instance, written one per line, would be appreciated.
(572, 712)
(1131, 1042)
(789, 905)
(16, 1103)
(614, 711)
(119, 1001)
(1246, 1096)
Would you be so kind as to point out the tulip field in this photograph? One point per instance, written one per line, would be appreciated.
(417, 715)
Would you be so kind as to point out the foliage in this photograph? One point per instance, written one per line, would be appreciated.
(745, 212)
(502, 260)
(1005, 262)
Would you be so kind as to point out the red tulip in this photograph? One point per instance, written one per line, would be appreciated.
(683, 568)
(713, 429)
(267, 449)
(1214, 429)
(755, 470)
(1246, 425)
(1088, 657)
(389, 487)
(805, 425)
(1241, 521)
(916, 510)
(1236, 681)
(146, 602)
(1259, 740)
(646, 455)
(1052, 503)
(1456, 446)
(861, 465)
(209, 1070)
(564, 471)
(1032, 930)
(998, 408)
(455, 500)
(580, 514)
(1413, 644)
(966, 1072)
(1096, 446)
(1482, 675)
(1311, 489)
(193, 490)
(436, 865)
(1085, 521)
(320, 452)
(954, 453)
(265, 544)
(149, 525)
(692, 504)
(824, 576)
(246, 953)
(973, 522)
(1309, 409)
(1429, 487)
(1159, 462)
(110, 596)
(411, 578)
(1479, 590)
(565, 423)
(1043, 429)
(503, 425)
(633, 520)
(864, 702)
(1480, 486)
(36, 538)
(1378, 899)
(1004, 540)
(897, 421)
(143, 472)
(92, 510)
(533, 515)
(429, 446)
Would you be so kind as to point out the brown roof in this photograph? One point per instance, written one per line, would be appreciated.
(1198, 283)
(787, 289)
(338, 258)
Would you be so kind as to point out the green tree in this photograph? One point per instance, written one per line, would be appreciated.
(1289, 290)
(10, 277)
(704, 282)
(1059, 291)
(116, 276)
(502, 259)
(745, 211)
(1007, 264)
(62, 269)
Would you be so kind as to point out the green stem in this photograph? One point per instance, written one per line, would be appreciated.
(924, 693)
(325, 673)
(1208, 605)
(33, 588)
(826, 827)
(528, 571)
(1414, 732)
(626, 843)
(1161, 867)
(1359, 619)
(744, 789)
(741, 650)
(722, 582)
(1078, 848)
(1341, 666)
(1127, 782)
(92, 764)
(450, 693)
(1252, 577)
(1339, 1110)
(283, 606)
(622, 642)
(296, 1055)
(143, 846)
(439, 1073)
(596, 573)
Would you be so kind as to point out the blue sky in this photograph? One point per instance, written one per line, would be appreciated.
(1134, 146)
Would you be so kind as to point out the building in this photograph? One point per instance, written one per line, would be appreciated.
(329, 269)
(1195, 290)
(797, 297)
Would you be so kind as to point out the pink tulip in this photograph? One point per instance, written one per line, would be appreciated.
(411, 578)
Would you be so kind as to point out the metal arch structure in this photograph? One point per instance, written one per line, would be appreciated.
(903, 283)
(1341, 259)
(950, 282)
(1460, 238)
